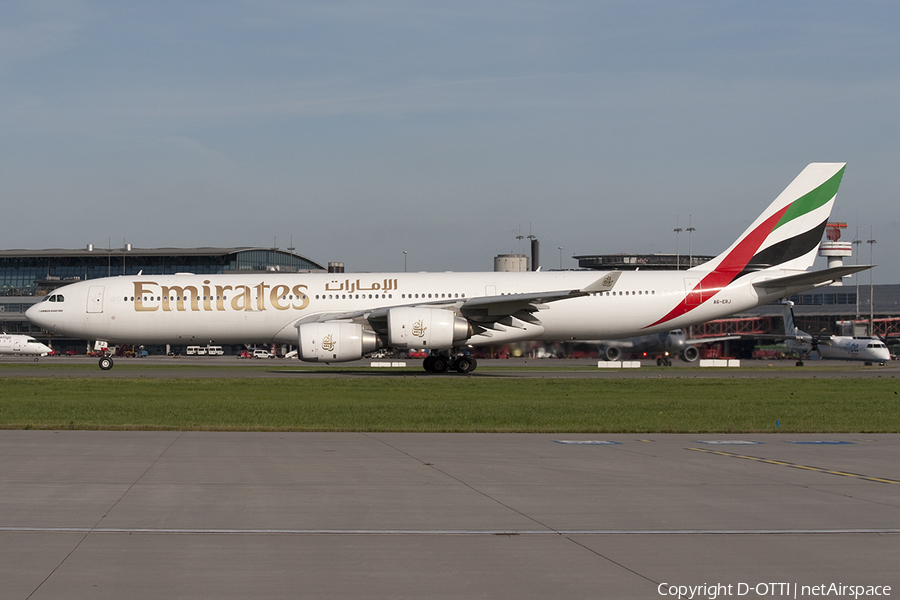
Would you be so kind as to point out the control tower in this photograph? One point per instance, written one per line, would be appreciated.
(833, 250)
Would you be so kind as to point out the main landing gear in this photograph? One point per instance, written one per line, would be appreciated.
(441, 363)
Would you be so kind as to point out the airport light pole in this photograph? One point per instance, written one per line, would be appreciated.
(856, 242)
(871, 243)
(560, 258)
(691, 229)
(677, 253)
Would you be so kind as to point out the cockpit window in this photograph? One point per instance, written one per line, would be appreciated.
(55, 298)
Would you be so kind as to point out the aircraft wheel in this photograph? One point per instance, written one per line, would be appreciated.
(36, 359)
(106, 363)
(799, 363)
(868, 363)
(427, 364)
(659, 362)
(440, 364)
(465, 364)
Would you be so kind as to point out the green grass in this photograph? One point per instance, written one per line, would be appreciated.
(434, 404)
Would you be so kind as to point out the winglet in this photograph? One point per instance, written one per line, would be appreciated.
(604, 284)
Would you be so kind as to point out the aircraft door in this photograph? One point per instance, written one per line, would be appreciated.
(16, 345)
(691, 299)
(95, 299)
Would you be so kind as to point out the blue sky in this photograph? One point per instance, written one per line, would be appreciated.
(364, 129)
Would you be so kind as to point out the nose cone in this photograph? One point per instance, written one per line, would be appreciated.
(38, 317)
(676, 341)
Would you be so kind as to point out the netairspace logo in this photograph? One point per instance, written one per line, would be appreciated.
(771, 590)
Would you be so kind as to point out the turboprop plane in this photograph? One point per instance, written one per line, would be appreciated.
(22, 345)
(335, 318)
(869, 350)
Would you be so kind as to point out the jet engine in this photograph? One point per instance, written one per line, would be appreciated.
(690, 354)
(414, 327)
(611, 353)
(335, 341)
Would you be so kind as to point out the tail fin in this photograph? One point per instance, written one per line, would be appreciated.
(787, 234)
(784, 236)
(790, 328)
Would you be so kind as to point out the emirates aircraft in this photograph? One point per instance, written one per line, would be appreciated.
(333, 318)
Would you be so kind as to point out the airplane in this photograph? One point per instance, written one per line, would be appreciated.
(832, 347)
(22, 345)
(340, 317)
(662, 345)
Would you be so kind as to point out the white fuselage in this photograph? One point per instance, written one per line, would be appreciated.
(18, 344)
(265, 307)
(870, 350)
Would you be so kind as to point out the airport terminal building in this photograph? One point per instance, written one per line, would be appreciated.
(28, 275)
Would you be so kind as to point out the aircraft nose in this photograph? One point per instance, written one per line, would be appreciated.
(37, 317)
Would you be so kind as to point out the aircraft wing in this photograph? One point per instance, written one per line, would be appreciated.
(506, 308)
(711, 340)
(483, 312)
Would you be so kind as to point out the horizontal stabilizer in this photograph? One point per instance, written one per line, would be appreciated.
(810, 279)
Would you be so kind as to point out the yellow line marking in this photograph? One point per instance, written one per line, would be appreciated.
(782, 463)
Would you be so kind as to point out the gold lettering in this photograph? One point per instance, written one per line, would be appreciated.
(220, 296)
(207, 296)
(301, 295)
(241, 299)
(139, 291)
(180, 296)
(260, 295)
(275, 296)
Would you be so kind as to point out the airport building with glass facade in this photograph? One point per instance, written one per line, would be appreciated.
(28, 275)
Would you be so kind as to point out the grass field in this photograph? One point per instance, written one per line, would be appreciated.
(453, 404)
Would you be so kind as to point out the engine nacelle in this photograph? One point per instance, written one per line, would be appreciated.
(413, 327)
(612, 353)
(690, 354)
(335, 342)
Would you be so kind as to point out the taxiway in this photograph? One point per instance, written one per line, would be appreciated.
(392, 515)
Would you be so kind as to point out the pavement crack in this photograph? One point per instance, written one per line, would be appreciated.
(464, 483)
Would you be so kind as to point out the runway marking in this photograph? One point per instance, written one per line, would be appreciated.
(782, 463)
(439, 532)
(588, 442)
(729, 442)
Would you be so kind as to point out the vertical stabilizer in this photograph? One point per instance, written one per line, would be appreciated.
(785, 237)
(787, 234)
(790, 327)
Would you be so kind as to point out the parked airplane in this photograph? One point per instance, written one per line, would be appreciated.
(334, 318)
(22, 345)
(832, 347)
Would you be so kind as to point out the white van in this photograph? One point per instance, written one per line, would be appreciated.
(195, 351)
(215, 351)
(260, 353)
